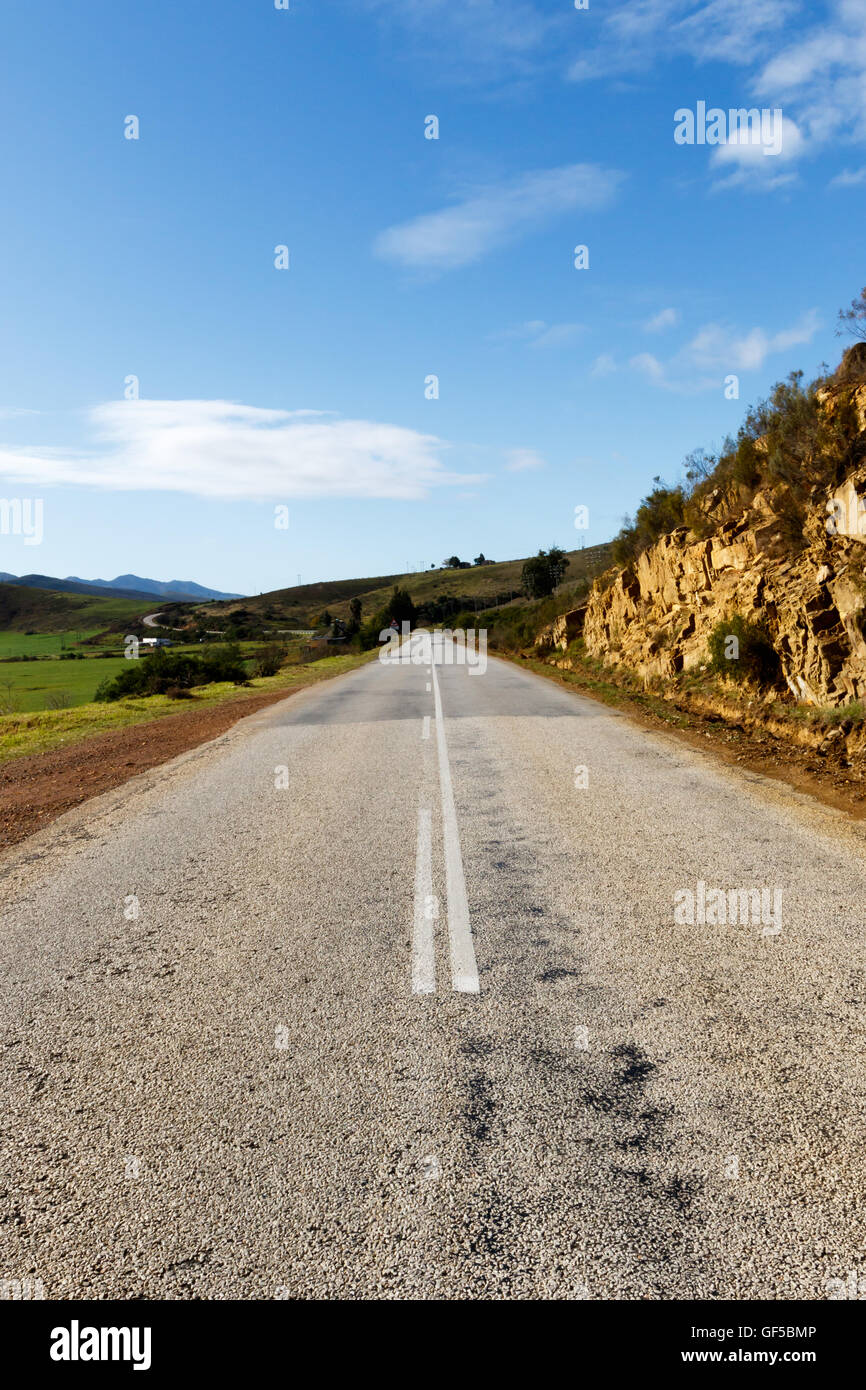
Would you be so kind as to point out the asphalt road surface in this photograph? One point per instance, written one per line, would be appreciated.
(382, 995)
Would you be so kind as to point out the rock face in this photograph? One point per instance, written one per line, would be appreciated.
(809, 594)
(562, 630)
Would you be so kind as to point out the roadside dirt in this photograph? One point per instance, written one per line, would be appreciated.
(35, 790)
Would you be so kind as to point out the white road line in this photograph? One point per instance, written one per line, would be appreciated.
(464, 970)
(423, 950)
(425, 728)
(428, 685)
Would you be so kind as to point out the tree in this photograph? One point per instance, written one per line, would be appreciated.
(400, 607)
(482, 560)
(324, 619)
(544, 572)
(853, 320)
(355, 610)
(452, 563)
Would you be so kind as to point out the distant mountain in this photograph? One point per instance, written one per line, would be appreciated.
(124, 586)
(69, 586)
(172, 588)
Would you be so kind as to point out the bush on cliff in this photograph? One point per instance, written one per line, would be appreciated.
(743, 651)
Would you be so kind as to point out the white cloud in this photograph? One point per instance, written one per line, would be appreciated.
(635, 34)
(539, 334)
(809, 61)
(494, 215)
(823, 73)
(224, 449)
(665, 318)
(715, 346)
(488, 39)
(752, 162)
(716, 350)
(556, 334)
(849, 178)
(603, 365)
(521, 460)
(648, 364)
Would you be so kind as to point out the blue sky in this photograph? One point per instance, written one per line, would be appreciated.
(409, 258)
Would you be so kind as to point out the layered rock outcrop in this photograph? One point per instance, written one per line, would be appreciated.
(808, 591)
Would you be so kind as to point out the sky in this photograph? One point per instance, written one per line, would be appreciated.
(435, 370)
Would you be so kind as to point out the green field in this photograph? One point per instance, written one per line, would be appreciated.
(43, 643)
(26, 686)
(37, 685)
(40, 730)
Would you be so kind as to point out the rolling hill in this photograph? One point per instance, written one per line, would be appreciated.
(27, 609)
(479, 585)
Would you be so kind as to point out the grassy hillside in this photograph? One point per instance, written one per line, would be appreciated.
(480, 586)
(25, 610)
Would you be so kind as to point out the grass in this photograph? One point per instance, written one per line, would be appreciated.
(31, 684)
(38, 732)
(480, 584)
(43, 643)
(46, 610)
(831, 715)
(26, 686)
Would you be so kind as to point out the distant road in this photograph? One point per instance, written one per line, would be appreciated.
(397, 1009)
(151, 620)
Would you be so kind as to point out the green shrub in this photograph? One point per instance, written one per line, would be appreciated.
(743, 651)
(660, 512)
(269, 659)
(162, 671)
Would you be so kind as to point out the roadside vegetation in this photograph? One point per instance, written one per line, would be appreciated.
(742, 651)
(786, 443)
(23, 733)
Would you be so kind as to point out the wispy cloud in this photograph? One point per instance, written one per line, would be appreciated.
(716, 346)
(604, 365)
(717, 349)
(522, 460)
(649, 365)
(538, 334)
(665, 318)
(810, 61)
(849, 178)
(494, 215)
(636, 33)
(225, 449)
(495, 40)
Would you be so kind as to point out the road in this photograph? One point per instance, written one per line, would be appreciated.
(377, 996)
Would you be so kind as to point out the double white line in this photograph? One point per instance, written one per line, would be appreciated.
(464, 970)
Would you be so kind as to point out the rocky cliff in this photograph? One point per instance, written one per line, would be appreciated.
(806, 586)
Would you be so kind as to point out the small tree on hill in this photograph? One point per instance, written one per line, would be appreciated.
(541, 574)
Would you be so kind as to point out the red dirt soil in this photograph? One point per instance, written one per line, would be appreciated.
(36, 789)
